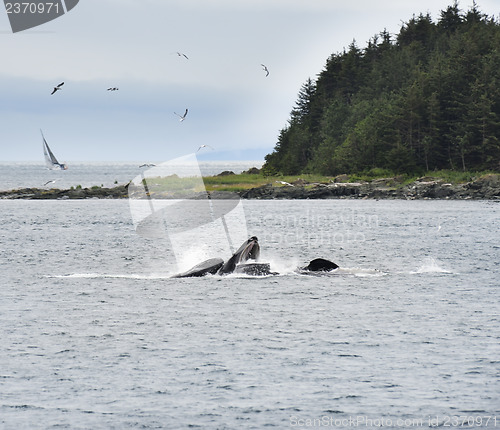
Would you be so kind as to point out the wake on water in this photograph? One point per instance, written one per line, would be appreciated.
(112, 276)
(279, 267)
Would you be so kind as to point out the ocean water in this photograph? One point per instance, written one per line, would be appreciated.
(406, 334)
(36, 175)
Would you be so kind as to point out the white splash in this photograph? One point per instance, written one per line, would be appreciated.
(430, 265)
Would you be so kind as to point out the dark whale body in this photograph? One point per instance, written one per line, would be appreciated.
(249, 250)
(207, 267)
(320, 265)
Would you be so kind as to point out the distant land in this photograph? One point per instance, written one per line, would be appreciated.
(425, 99)
(253, 185)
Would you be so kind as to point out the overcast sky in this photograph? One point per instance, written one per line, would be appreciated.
(132, 45)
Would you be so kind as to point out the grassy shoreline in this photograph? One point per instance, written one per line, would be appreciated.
(244, 181)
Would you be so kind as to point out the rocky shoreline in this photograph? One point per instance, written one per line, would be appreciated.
(118, 192)
(486, 187)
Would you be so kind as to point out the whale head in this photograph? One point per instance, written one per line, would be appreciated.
(249, 250)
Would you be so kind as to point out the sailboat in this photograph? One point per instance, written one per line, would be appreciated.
(50, 158)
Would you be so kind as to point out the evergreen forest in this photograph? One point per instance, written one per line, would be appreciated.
(425, 99)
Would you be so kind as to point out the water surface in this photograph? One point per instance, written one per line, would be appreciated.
(96, 335)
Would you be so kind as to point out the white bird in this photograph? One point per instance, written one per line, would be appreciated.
(182, 117)
(147, 165)
(180, 54)
(205, 146)
(284, 183)
(265, 69)
(57, 88)
(50, 182)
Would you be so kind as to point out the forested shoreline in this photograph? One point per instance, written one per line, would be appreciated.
(427, 98)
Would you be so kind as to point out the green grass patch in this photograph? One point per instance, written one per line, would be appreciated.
(242, 182)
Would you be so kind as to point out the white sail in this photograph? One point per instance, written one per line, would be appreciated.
(169, 201)
(50, 159)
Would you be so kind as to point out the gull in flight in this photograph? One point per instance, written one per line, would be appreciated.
(265, 69)
(57, 88)
(205, 146)
(50, 182)
(182, 117)
(147, 165)
(180, 54)
(113, 89)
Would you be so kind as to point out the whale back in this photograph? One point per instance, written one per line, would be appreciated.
(320, 265)
(207, 267)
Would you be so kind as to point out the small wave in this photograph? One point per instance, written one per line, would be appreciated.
(430, 265)
(22, 407)
(360, 272)
(112, 276)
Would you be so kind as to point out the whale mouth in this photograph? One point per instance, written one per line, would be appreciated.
(251, 251)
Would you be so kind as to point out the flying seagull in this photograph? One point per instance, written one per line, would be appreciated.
(182, 117)
(50, 182)
(113, 89)
(57, 88)
(180, 54)
(265, 69)
(205, 146)
(147, 165)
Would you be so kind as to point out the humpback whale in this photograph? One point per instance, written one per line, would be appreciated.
(249, 250)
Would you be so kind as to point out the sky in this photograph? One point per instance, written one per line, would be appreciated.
(233, 106)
